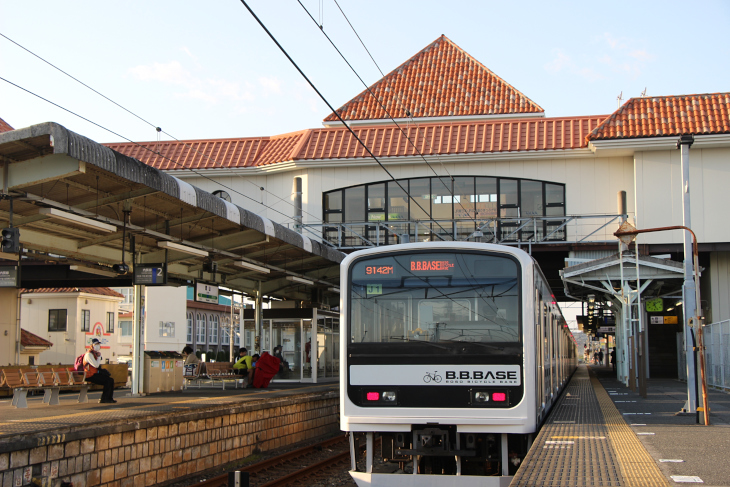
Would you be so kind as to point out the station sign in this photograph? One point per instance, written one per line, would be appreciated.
(607, 329)
(663, 320)
(9, 276)
(150, 275)
(206, 293)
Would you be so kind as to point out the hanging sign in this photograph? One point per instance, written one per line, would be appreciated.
(150, 275)
(9, 276)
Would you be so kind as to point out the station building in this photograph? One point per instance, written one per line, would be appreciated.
(456, 152)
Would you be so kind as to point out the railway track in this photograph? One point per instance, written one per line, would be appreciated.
(307, 464)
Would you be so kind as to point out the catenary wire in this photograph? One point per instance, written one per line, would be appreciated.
(395, 93)
(158, 129)
(352, 132)
(138, 144)
(375, 97)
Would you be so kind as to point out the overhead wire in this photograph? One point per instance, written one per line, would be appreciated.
(349, 129)
(135, 143)
(157, 129)
(377, 99)
(398, 99)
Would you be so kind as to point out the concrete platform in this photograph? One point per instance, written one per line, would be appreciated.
(150, 440)
(605, 435)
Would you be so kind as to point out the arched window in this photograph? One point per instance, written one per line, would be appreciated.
(213, 330)
(200, 339)
(445, 209)
(189, 335)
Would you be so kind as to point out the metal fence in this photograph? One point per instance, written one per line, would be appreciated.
(717, 354)
(510, 231)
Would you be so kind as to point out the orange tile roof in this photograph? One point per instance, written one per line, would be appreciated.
(5, 126)
(28, 339)
(214, 153)
(492, 136)
(662, 116)
(102, 291)
(441, 80)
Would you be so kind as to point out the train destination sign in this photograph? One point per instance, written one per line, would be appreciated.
(150, 275)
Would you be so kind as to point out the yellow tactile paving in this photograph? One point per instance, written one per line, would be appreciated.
(637, 466)
(586, 442)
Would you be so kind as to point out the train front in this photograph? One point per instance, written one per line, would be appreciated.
(434, 361)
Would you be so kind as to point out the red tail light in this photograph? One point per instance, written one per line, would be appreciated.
(372, 396)
(499, 396)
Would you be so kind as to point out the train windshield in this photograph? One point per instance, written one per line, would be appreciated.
(439, 297)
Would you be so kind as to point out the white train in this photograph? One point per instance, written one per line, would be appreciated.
(454, 353)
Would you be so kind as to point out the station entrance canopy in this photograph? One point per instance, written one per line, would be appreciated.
(78, 204)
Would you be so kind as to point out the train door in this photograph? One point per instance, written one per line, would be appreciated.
(539, 370)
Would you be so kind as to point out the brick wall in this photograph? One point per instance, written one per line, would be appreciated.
(159, 449)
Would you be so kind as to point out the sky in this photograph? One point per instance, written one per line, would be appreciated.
(207, 69)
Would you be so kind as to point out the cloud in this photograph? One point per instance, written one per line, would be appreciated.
(608, 57)
(209, 90)
(562, 62)
(270, 85)
(172, 73)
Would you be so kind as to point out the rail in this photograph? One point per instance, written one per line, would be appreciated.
(510, 231)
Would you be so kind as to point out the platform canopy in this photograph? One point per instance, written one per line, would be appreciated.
(78, 204)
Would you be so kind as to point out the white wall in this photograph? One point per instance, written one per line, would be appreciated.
(73, 342)
(720, 285)
(165, 304)
(659, 194)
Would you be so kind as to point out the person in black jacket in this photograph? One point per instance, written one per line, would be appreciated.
(96, 375)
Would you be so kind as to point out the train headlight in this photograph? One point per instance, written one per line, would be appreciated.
(480, 397)
(388, 396)
(499, 396)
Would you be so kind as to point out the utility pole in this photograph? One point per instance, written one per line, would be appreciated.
(689, 286)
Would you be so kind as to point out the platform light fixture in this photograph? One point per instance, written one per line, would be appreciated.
(253, 267)
(299, 280)
(182, 248)
(79, 220)
(93, 270)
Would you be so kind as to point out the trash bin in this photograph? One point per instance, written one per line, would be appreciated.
(172, 371)
(152, 372)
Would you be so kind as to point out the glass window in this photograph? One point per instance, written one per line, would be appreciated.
(167, 329)
(456, 299)
(355, 204)
(213, 337)
(85, 320)
(531, 198)
(509, 198)
(554, 199)
(57, 319)
(126, 328)
(485, 198)
(333, 207)
(464, 193)
(225, 336)
(189, 335)
(376, 202)
(109, 322)
(443, 199)
(420, 190)
(397, 201)
(200, 325)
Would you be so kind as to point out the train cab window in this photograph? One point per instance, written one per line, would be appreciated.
(440, 297)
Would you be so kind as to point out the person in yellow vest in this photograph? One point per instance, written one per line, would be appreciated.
(96, 375)
(244, 363)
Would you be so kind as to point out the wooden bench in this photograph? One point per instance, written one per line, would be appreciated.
(21, 381)
(221, 371)
(68, 379)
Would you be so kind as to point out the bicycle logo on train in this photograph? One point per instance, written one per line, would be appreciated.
(432, 377)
